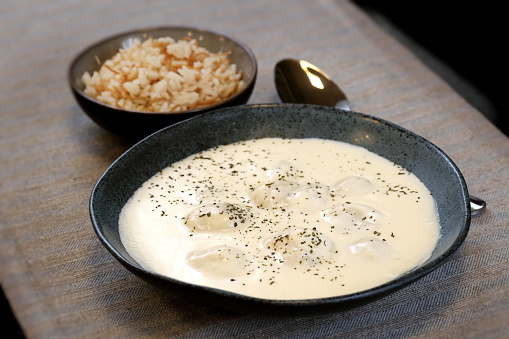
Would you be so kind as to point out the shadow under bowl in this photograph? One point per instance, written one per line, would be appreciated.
(431, 165)
(133, 124)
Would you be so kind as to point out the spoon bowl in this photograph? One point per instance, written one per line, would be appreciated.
(298, 81)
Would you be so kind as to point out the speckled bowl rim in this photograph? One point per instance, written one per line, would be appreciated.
(372, 293)
(248, 83)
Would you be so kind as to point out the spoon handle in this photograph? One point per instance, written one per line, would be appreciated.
(477, 206)
(344, 105)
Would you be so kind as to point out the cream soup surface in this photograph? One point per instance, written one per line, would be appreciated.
(282, 219)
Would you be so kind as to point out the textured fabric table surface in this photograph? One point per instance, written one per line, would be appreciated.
(61, 282)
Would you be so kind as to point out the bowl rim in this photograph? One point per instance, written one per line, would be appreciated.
(248, 82)
(380, 290)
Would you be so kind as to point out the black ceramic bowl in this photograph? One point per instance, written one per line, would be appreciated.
(225, 126)
(137, 124)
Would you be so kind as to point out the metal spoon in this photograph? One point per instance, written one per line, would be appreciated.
(298, 81)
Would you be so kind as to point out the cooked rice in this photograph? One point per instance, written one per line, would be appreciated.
(164, 75)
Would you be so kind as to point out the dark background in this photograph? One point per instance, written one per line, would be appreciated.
(463, 43)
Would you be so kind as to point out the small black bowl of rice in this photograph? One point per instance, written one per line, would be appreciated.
(135, 83)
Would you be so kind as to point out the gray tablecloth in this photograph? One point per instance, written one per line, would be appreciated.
(61, 282)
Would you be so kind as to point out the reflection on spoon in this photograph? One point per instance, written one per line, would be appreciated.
(298, 81)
